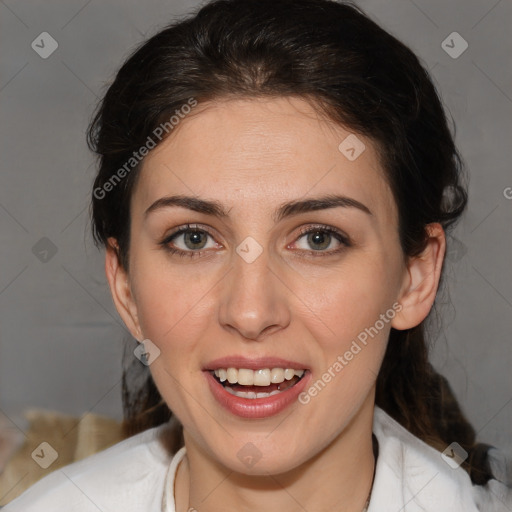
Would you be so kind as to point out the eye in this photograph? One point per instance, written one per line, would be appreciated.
(191, 240)
(188, 240)
(317, 239)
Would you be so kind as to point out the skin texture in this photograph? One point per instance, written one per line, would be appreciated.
(253, 155)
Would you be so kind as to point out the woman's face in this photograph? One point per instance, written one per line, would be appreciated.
(250, 286)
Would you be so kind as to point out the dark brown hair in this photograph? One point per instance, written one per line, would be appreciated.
(353, 72)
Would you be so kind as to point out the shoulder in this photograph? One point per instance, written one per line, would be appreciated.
(410, 472)
(127, 476)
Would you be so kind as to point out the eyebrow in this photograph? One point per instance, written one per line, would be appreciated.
(287, 209)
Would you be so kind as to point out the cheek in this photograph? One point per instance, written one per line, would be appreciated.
(351, 323)
(171, 315)
(166, 294)
(350, 300)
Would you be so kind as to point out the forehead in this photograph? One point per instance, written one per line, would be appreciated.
(260, 152)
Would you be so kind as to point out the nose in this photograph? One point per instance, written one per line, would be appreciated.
(253, 299)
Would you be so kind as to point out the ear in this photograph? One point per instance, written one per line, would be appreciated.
(120, 289)
(421, 280)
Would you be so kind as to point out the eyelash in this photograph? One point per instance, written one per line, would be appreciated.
(338, 235)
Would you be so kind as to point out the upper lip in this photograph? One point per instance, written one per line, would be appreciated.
(255, 363)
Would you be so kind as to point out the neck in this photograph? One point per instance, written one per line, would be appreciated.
(337, 478)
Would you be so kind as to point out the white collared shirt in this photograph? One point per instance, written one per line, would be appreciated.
(137, 475)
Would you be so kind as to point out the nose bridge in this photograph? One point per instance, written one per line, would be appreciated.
(252, 299)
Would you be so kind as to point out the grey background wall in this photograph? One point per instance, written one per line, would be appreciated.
(60, 337)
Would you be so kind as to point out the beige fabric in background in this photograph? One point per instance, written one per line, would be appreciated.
(71, 437)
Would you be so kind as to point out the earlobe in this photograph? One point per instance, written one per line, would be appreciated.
(120, 289)
(421, 280)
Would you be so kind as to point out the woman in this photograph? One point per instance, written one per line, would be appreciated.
(275, 184)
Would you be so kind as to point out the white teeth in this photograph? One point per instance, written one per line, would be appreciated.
(277, 375)
(263, 377)
(245, 377)
(232, 375)
(289, 374)
(251, 394)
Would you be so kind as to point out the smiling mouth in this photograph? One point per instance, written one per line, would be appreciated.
(252, 384)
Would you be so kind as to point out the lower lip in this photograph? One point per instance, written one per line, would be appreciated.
(256, 407)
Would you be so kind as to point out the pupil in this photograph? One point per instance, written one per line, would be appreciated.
(319, 238)
(195, 238)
